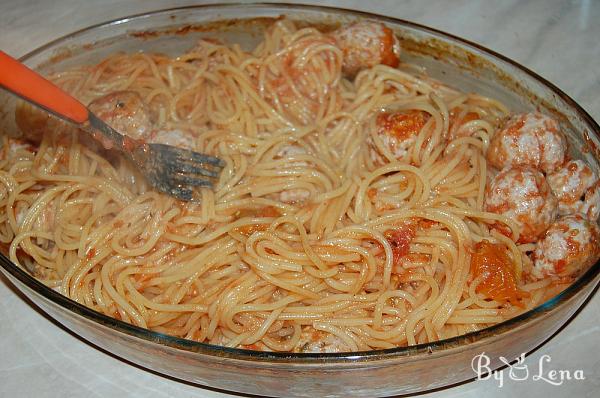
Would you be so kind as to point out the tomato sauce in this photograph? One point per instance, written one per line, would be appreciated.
(400, 239)
(249, 229)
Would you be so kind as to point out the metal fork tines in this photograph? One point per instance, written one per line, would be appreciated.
(169, 169)
(177, 171)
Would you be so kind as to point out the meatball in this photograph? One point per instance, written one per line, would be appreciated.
(178, 138)
(290, 79)
(591, 202)
(124, 111)
(34, 122)
(569, 246)
(523, 195)
(570, 183)
(528, 139)
(366, 44)
(398, 131)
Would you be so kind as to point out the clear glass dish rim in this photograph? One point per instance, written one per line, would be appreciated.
(437, 347)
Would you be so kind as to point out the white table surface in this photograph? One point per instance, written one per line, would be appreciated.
(558, 39)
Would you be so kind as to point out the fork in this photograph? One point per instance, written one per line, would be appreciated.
(171, 170)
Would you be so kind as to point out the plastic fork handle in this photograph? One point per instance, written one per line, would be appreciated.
(29, 85)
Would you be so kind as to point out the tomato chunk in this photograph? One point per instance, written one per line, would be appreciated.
(400, 239)
(492, 263)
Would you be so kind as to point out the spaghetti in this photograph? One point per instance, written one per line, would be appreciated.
(350, 215)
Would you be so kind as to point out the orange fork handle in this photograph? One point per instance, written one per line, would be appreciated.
(19, 79)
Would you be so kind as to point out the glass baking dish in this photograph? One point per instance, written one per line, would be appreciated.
(373, 373)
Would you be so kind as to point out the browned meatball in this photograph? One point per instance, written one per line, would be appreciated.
(397, 132)
(174, 137)
(523, 195)
(528, 139)
(34, 122)
(366, 44)
(126, 112)
(570, 183)
(568, 247)
(591, 202)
